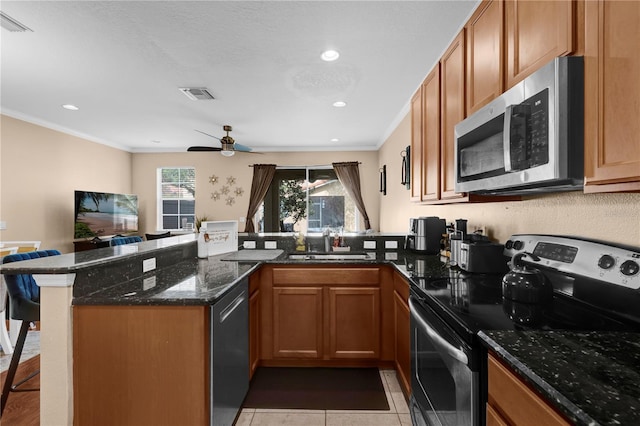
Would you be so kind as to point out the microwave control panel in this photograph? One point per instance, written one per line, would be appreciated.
(529, 132)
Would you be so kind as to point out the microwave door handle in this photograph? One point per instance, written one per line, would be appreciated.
(451, 350)
(506, 138)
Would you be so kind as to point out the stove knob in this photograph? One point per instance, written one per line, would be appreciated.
(629, 268)
(606, 261)
(509, 244)
(518, 245)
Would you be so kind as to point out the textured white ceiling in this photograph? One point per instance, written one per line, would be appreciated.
(122, 63)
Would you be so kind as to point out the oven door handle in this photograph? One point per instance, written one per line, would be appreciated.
(451, 350)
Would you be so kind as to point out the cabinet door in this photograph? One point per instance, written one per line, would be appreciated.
(612, 96)
(453, 111)
(254, 330)
(537, 32)
(131, 367)
(402, 341)
(484, 54)
(416, 145)
(354, 322)
(297, 322)
(431, 136)
(515, 401)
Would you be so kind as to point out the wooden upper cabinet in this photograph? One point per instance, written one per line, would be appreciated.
(485, 75)
(431, 136)
(416, 145)
(536, 32)
(452, 98)
(612, 96)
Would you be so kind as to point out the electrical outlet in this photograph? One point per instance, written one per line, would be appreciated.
(391, 244)
(249, 244)
(148, 264)
(3, 224)
(149, 282)
(270, 245)
(370, 245)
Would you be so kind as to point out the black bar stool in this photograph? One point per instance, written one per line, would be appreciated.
(24, 304)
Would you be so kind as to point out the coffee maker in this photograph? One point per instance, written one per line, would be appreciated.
(425, 234)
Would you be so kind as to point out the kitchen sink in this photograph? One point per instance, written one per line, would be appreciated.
(332, 256)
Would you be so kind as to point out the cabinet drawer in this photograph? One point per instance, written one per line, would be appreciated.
(333, 276)
(515, 401)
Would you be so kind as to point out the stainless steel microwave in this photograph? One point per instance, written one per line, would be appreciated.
(530, 139)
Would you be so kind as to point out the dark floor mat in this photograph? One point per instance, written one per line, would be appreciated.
(317, 389)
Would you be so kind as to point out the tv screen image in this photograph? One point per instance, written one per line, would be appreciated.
(102, 214)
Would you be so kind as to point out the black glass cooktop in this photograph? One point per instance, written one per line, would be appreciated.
(472, 302)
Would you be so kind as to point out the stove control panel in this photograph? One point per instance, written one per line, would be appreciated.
(592, 259)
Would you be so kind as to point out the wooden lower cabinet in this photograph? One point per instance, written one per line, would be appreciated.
(297, 322)
(512, 402)
(118, 382)
(354, 322)
(254, 324)
(402, 332)
(326, 315)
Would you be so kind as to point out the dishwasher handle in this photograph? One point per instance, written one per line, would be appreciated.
(226, 312)
(451, 350)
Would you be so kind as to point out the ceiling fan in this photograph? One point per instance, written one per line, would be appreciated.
(229, 146)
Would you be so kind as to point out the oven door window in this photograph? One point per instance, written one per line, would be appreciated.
(444, 381)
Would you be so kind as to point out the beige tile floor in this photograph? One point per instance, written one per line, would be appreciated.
(397, 415)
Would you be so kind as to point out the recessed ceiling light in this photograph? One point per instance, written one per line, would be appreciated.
(335, 140)
(339, 104)
(156, 141)
(330, 55)
(70, 107)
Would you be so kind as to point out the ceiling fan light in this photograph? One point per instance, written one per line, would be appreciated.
(227, 153)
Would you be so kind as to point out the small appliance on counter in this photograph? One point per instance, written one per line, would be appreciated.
(425, 234)
(482, 257)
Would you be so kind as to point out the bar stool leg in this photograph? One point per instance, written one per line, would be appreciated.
(13, 366)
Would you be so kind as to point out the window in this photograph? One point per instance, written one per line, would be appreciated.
(307, 200)
(176, 197)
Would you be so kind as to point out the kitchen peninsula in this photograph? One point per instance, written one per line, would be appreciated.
(181, 283)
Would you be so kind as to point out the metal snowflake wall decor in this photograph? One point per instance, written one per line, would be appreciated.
(227, 189)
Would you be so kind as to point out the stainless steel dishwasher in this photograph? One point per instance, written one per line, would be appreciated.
(230, 350)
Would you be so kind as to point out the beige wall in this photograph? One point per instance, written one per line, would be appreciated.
(209, 164)
(39, 170)
(612, 217)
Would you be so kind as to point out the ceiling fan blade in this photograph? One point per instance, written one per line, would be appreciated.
(200, 131)
(243, 148)
(203, 148)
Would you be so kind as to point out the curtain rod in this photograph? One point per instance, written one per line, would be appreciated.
(304, 167)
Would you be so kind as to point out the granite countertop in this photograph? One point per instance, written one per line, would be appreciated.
(202, 281)
(73, 262)
(192, 282)
(591, 377)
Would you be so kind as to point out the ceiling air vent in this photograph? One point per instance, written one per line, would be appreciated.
(197, 93)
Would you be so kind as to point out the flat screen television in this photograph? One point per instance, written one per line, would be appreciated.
(102, 214)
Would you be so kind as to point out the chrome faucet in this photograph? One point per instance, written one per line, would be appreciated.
(326, 235)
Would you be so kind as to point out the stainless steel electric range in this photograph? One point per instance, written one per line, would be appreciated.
(594, 287)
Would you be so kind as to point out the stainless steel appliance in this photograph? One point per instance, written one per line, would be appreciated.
(230, 360)
(482, 257)
(425, 234)
(595, 288)
(530, 139)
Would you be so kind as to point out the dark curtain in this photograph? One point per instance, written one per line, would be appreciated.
(262, 177)
(349, 175)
